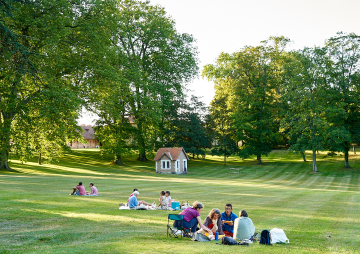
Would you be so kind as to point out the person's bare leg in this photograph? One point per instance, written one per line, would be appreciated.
(74, 190)
(144, 203)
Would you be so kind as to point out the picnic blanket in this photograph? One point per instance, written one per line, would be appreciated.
(87, 195)
(140, 207)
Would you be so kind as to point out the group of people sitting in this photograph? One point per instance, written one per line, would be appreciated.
(135, 204)
(79, 190)
(226, 223)
(165, 199)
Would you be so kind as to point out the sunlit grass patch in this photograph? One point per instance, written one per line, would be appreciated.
(319, 212)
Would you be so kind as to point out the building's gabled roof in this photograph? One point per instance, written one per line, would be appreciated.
(171, 152)
(88, 132)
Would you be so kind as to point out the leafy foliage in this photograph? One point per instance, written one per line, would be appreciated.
(154, 62)
(252, 76)
(187, 128)
(57, 34)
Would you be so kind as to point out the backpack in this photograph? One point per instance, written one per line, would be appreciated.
(229, 241)
(265, 237)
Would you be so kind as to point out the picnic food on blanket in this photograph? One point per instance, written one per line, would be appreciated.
(220, 236)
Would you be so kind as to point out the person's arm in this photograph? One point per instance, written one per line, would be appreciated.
(233, 218)
(219, 224)
(202, 226)
(207, 221)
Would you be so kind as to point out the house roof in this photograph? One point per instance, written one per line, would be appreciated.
(171, 152)
(88, 132)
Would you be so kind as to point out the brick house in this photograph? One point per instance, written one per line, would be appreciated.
(88, 135)
(171, 160)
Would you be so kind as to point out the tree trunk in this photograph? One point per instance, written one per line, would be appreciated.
(141, 142)
(259, 159)
(118, 161)
(354, 150)
(314, 161)
(222, 126)
(4, 160)
(5, 124)
(142, 157)
(303, 157)
(347, 160)
(39, 160)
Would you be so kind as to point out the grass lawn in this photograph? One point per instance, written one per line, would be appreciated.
(319, 212)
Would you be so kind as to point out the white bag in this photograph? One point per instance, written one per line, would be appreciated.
(278, 236)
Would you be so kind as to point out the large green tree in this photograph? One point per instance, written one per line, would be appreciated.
(154, 62)
(63, 37)
(219, 124)
(344, 51)
(307, 92)
(253, 76)
(187, 128)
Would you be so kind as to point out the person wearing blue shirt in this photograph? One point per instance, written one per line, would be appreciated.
(228, 218)
(134, 203)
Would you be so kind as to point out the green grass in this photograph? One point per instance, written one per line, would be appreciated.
(319, 212)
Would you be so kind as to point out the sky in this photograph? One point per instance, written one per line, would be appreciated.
(228, 25)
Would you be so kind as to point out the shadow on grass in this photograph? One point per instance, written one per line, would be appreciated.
(90, 162)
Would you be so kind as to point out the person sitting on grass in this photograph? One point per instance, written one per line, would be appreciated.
(162, 198)
(167, 198)
(79, 190)
(134, 203)
(243, 227)
(213, 221)
(228, 218)
(94, 191)
(191, 218)
(127, 202)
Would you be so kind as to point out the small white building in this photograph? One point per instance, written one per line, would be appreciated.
(171, 160)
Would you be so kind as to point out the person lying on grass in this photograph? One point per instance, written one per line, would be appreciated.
(134, 203)
(79, 190)
(191, 218)
(228, 218)
(243, 227)
(94, 191)
(213, 221)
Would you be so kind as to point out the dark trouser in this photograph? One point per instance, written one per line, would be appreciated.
(192, 224)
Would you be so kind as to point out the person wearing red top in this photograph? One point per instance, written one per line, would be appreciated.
(191, 218)
(79, 190)
(213, 221)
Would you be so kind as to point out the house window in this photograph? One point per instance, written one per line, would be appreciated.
(165, 164)
(177, 164)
